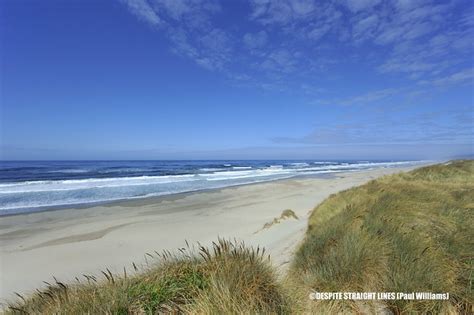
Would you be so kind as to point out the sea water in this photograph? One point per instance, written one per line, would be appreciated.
(27, 186)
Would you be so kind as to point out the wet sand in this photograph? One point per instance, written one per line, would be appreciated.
(71, 242)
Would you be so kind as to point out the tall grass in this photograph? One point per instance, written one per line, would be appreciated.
(227, 278)
(410, 232)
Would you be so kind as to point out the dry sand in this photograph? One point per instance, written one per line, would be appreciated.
(71, 242)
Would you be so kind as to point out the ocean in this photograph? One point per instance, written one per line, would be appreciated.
(28, 186)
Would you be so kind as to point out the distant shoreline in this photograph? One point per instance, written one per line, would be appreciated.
(153, 199)
(68, 242)
(131, 182)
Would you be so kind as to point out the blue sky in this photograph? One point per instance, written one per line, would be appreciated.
(192, 79)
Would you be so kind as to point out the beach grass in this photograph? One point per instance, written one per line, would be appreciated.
(227, 278)
(286, 214)
(408, 232)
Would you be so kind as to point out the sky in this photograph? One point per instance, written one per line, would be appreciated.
(240, 79)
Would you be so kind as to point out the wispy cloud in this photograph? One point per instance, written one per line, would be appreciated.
(420, 40)
(383, 129)
(369, 97)
(187, 23)
(255, 40)
(465, 76)
(143, 10)
(359, 5)
(281, 11)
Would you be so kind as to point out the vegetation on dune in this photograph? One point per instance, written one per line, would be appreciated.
(228, 278)
(410, 232)
(286, 214)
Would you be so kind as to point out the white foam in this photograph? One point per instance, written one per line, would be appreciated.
(212, 169)
(300, 164)
(40, 194)
(276, 166)
(75, 184)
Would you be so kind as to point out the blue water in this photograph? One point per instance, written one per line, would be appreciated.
(37, 185)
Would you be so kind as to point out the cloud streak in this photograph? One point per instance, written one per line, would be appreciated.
(143, 10)
(422, 41)
(382, 129)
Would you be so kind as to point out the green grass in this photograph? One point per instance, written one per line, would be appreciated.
(227, 278)
(410, 232)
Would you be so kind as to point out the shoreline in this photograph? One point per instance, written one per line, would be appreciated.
(70, 242)
(63, 196)
(154, 199)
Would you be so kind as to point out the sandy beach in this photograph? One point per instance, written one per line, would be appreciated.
(71, 242)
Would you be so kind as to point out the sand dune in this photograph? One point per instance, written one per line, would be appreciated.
(67, 243)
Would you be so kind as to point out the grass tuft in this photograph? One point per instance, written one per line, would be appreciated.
(226, 278)
(286, 214)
